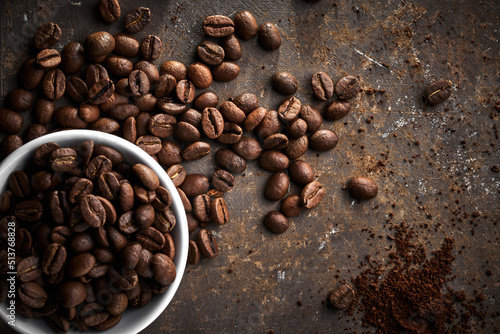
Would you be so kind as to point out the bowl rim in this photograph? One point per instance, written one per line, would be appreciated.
(182, 245)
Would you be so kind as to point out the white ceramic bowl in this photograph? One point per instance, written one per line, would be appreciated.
(133, 319)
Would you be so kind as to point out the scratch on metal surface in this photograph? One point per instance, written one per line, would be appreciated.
(370, 58)
(281, 276)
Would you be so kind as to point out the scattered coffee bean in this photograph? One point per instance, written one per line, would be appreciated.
(268, 36)
(312, 194)
(284, 83)
(336, 110)
(347, 88)
(245, 25)
(110, 10)
(137, 19)
(322, 86)
(342, 297)
(362, 188)
(207, 244)
(323, 140)
(47, 35)
(218, 26)
(276, 222)
(151, 47)
(210, 53)
(438, 92)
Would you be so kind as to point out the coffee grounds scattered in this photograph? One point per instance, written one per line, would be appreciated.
(408, 294)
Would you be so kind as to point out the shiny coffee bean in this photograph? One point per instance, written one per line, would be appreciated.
(165, 85)
(170, 105)
(323, 140)
(342, 297)
(232, 47)
(77, 89)
(438, 92)
(296, 147)
(247, 102)
(185, 91)
(273, 161)
(225, 71)
(336, 110)
(291, 205)
(67, 116)
(98, 45)
(118, 66)
(201, 208)
(207, 244)
(54, 84)
(63, 159)
(151, 47)
(254, 118)
(29, 269)
(54, 258)
(199, 74)
(219, 211)
(269, 125)
(195, 184)
(312, 194)
(174, 68)
(20, 99)
(195, 151)
(247, 148)
(146, 176)
(30, 75)
(284, 83)
(205, 100)
(126, 45)
(170, 153)
(150, 144)
(245, 25)
(194, 254)
(276, 222)
(137, 19)
(222, 180)
(210, 53)
(187, 132)
(312, 117)
(19, 183)
(231, 113)
(110, 10)
(163, 269)
(72, 58)
(347, 88)
(48, 59)
(362, 188)
(269, 36)
(162, 125)
(277, 186)
(101, 91)
(47, 35)
(138, 83)
(150, 238)
(71, 293)
(94, 74)
(322, 86)
(44, 109)
(230, 161)
(218, 26)
(300, 172)
(10, 121)
(212, 123)
(231, 133)
(296, 128)
(32, 294)
(289, 109)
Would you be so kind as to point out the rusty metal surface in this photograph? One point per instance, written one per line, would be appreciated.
(432, 166)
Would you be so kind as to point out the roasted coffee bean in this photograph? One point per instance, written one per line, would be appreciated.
(5, 203)
(142, 121)
(94, 74)
(187, 132)
(207, 244)
(130, 255)
(336, 110)
(205, 100)
(212, 122)
(29, 269)
(144, 195)
(126, 196)
(284, 83)
(122, 87)
(123, 111)
(108, 185)
(231, 113)
(201, 208)
(92, 211)
(174, 68)
(230, 161)
(185, 91)
(165, 85)
(32, 294)
(127, 223)
(98, 45)
(80, 188)
(44, 109)
(129, 129)
(296, 147)
(247, 148)
(232, 47)
(269, 36)
(150, 238)
(123, 279)
(118, 66)
(48, 59)
(162, 125)
(218, 26)
(219, 211)
(342, 297)
(58, 206)
(195, 184)
(110, 10)
(312, 194)
(163, 269)
(269, 125)
(9, 144)
(191, 116)
(192, 222)
(116, 239)
(138, 82)
(438, 92)
(225, 71)
(150, 69)
(126, 45)
(170, 153)
(222, 180)
(93, 314)
(291, 205)
(109, 152)
(101, 91)
(58, 323)
(71, 293)
(245, 25)
(144, 215)
(30, 75)
(72, 58)
(23, 242)
(34, 131)
(146, 176)
(29, 211)
(273, 161)
(143, 267)
(277, 186)
(77, 89)
(63, 159)
(300, 172)
(151, 47)
(137, 19)
(19, 183)
(312, 117)
(200, 75)
(276, 222)
(47, 35)
(254, 118)
(163, 199)
(165, 220)
(362, 188)
(289, 109)
(296, 128)
(107, 125)
(185, 201)
(117, 304)
(323, 140)
(277, 141)
(20, 99)
(54, 258)
(247, 102)
(68, 117)
(110, 210)
(347, 88)
(170, 105)
(150, 144)
(322, 86)
(194, 254)
(54, 84)
(210, 53)
(41, 156)
(195, 151)
(10, 121)
(231, 133)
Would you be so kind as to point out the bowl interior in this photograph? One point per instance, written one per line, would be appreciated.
(133, 319)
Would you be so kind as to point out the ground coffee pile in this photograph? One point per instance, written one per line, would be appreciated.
(409, 294)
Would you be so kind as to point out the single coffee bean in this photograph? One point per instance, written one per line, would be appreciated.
(98, 45)
(245, 25)
(289, 109)
(144, 215)
(163, 269)
(77, 89)
(284, 83)
(312, 194)
(210, 53)
(118, 66)
(101, 91)
(193, 223)
(231, 113)
(47, 35)
(92, 314)
(117, 304)
(107, 125)
(165, 85)
(170, 153)
(254, 118)
(347, 88)
(129, 129)
(185, 201)
(194, 254)
(201, 208)
(32, 294)
(207, 244)
(247, 148)
(29, 269)
(342, 297)
(185, 91)
(92, 211)
(296, 128)
(195, 151)
(41, 156)
(79, 189)
(336, 110)
(222, 180)
(48, 59)
(218, 26)
(165, 221)
(19, 183)
(44, 109)
(300, 172)
(9, 144)
(109, 152)
(94, 74)
(126, 45)
(54, 258)
(438, 92)
(322, 86)
(269, 36)
(30, 75)
(130, 255)
(273, 161)
(187, 132)
(110, 210)
(34, 131)
(72, 58)
(276, 222)
(123, 111)
(151, 47)
(230, 161)
(212, 123)
(110, 10)
(54, 84)
(63, 159)
(191, 116)
(150, 69)
(232, 47)
(231, 133)
(362, 188)
(296, 147)
(150, 144)
(277, 186)
(20, 99)
(146, 176)
(225, 71)
(137, 19)
(200, 75)
(205, 100)
(170, 105)
(247, 102)
(144, 195)
(269, 125)
(58, 205)
(323, 140)
(71, 293)
(163, 199)
(143, 267)
(138, 82)
(109, 186)
(126, 196)
(68, 117)
(291, 205)
(58, 323)
(162, 125)
(277, 141)
(116, 239)
(219, 211)
(142, 121)
(43, 181)
(174, 68)
(195, 184)
(150, 238)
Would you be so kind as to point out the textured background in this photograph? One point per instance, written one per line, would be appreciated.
(432, 165)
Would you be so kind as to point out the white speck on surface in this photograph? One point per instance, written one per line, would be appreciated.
(281, 276)
(322, 245)
(74, 3)
(25, 18)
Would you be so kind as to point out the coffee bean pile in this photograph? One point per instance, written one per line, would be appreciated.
(92, 235)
